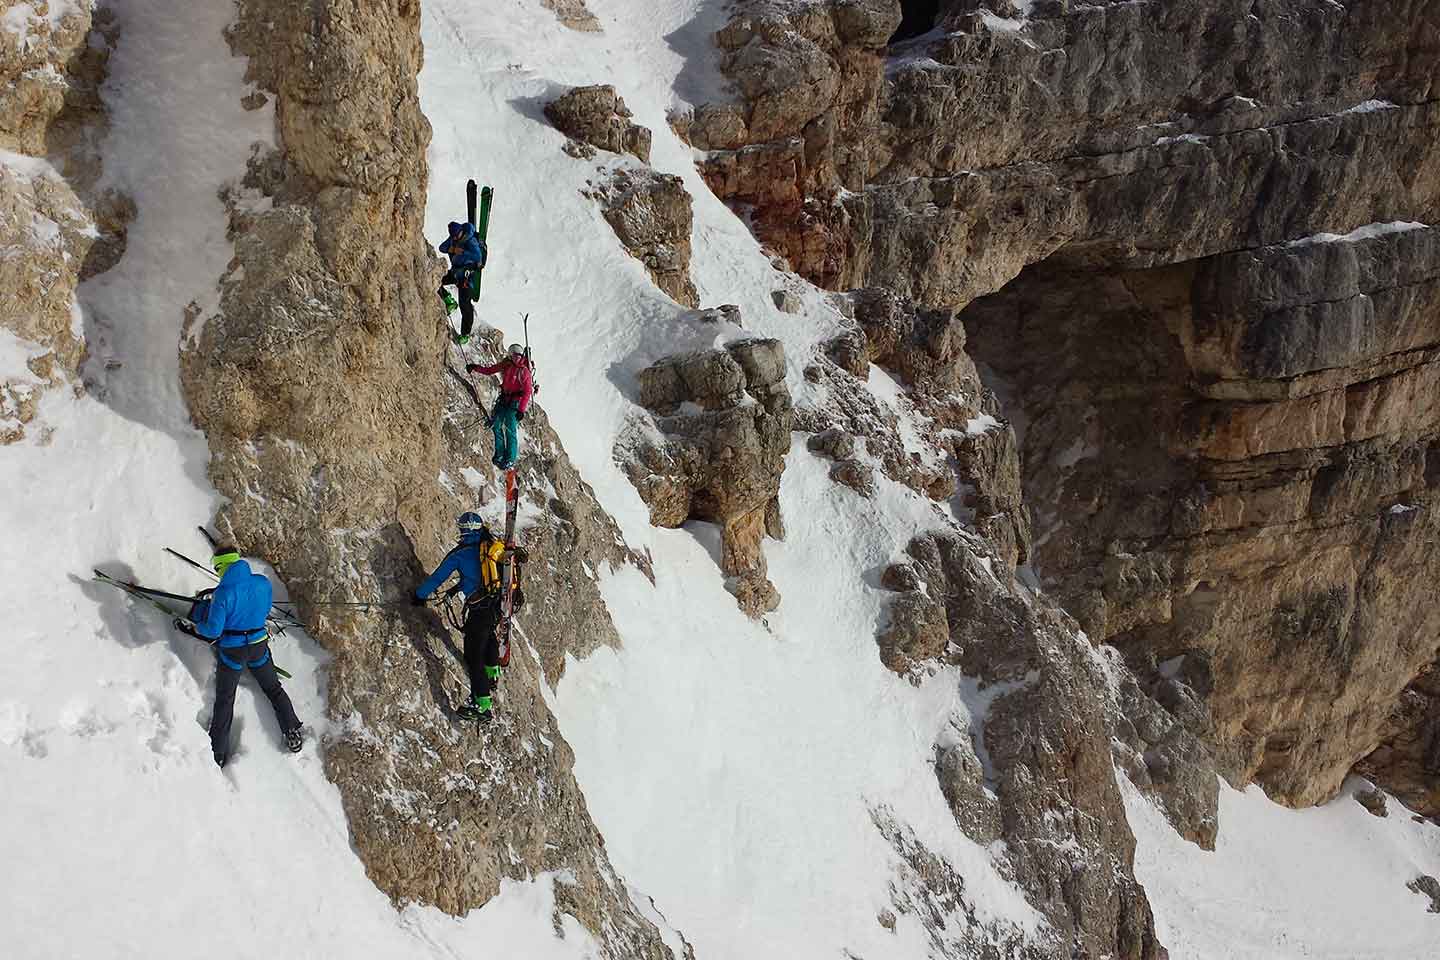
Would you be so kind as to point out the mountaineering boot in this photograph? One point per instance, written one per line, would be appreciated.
(220, 760)
(477, 709)
(494, 674)
(294, 739)
(459, 338)
(449, 301)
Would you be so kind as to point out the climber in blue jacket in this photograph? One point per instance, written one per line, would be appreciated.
(467, 258)
(232, 618)
(477, 559)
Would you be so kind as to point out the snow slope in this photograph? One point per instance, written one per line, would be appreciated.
(119, 837)
(1324, 882)
(734, 767)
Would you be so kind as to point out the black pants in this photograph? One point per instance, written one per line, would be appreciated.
(227, 678)
(482, 646)
(462, 279)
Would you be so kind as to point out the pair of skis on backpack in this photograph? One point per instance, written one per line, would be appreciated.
(480, 223)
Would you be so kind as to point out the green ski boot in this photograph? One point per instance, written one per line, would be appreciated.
(460, 338)
(448, 300)
(477, 710)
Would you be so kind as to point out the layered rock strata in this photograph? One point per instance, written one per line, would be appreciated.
(1255, 491)
(1225, 493)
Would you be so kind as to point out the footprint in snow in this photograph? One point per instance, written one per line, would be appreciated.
(16, 731)
(80, 719)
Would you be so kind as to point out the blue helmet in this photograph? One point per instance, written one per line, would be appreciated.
(472, 523)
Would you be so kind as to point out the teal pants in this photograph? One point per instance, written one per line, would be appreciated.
(506, 430)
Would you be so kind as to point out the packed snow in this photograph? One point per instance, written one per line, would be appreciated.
(1326, 882)
(736, 768)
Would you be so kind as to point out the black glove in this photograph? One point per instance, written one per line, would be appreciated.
(417, 601)
(186, 627)
(471, 367)
(517, 599)
(519, 415)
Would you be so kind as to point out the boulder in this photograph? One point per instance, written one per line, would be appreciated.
(596, 115)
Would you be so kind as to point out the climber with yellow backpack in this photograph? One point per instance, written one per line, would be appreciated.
(477, 559)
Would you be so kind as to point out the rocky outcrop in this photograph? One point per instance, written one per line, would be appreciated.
(809, 76)
(940, 436)
(1427, 886)
(1050, 718)
(650, 214)
(573, 14)
(346, 449)
(1227, 487)
(598, 117)
(56, 229)
(723, 419)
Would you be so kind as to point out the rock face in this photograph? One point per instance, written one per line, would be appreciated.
(724, 419)
(953, 440)
(809, 75)
(56, 229)
(1206, 279)
(597, 116)
(650, 213)
(354, 507)
(1253, 496)
(1051, 719)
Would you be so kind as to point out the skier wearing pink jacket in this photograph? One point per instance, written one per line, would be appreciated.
(516, 387)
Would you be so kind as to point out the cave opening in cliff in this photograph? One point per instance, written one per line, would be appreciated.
(917, 17)
(1096, 382)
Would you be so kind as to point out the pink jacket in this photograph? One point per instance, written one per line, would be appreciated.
(515, 380)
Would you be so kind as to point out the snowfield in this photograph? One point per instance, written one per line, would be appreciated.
(735, 768)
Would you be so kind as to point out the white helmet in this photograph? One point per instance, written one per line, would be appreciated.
(516, 350)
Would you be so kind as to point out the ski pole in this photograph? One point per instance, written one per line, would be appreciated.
(287, 615)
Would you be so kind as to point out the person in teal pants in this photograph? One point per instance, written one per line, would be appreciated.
(517, 385)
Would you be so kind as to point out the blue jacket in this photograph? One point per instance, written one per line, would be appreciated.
(476, 572)
(470, 252)
(234, 615)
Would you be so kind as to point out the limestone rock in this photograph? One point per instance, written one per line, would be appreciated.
(351, 506)
(56, 227)
(724, 419)
(1372, 800)
(1428, 886)
(650, 213)
(573, 14)
(786, 301)
(1047, 717)
(1229, 498)
(1255, 495)
(1407, 761)
(597, 115)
